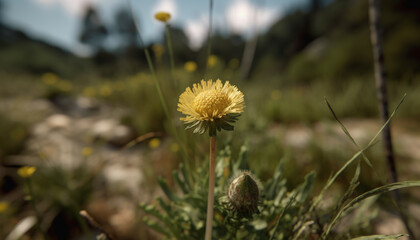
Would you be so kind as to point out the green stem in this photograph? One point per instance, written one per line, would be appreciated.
(37, 213)
(210, 200)
(171, 55)
(184, 153)
(209, 37)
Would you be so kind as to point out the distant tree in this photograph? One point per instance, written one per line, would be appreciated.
(125, 28)
(226, 46)
(93, 31)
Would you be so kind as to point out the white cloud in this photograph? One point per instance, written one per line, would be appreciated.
(166, 6)
(197, 31)
(244, 17)
(73, 7)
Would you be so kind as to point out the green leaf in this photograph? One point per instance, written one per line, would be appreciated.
(242, 162)
(259, 224)
(380, 237)
(289, 203)
(276, 183)
(180, 182)
(155, 226)
(166, 190)
(185, 176)
(306, 188)
(164, 206)
(353, 185)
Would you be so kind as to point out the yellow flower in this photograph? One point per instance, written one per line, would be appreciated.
(26, 171)
(4, 206)
(87, 151)
(211, 62)
(211, 105)
(49, 78)
(163, 16)
(190, 66)
(154, 143)
(174, 147)
(105, 90)
(89, 91)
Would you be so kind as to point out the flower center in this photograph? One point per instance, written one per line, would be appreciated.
(210, 103)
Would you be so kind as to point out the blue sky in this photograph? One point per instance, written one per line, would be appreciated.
(58, 21)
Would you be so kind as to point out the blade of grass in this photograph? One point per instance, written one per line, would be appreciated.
(150, 63)
(209, 37)
(355, 156)
(379, 237)
(373, 192)
(171, 55)
(282, 214)
(347, 133)
(332, 180)
(184, 153)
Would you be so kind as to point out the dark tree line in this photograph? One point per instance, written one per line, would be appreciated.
(341, 24)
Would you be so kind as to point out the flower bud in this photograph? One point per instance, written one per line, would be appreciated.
(243, 194)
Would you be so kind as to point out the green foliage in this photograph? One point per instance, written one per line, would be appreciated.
(282, 214)
(183, 216)
(67, 190)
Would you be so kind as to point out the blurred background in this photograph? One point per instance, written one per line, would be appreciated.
(75, 89)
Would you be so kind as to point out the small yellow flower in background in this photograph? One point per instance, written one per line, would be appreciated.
(211, 105)
(174, 147)
(26, 171)
(4, 206)
(163, 16)
(154, 143)
(105, 91)
(87, 151)
(190, 66)
(275, 94)
(89, 92)
(211, 62)
(49, 78)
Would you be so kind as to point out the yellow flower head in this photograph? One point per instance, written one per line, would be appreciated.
(49, 78)
(26, 171)
(163, 16)
(211, 62)
(174, 147)
(4, 206)
(154, 143)
(87, 151)
(190, 66)
(211, 105)
(89, 91)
